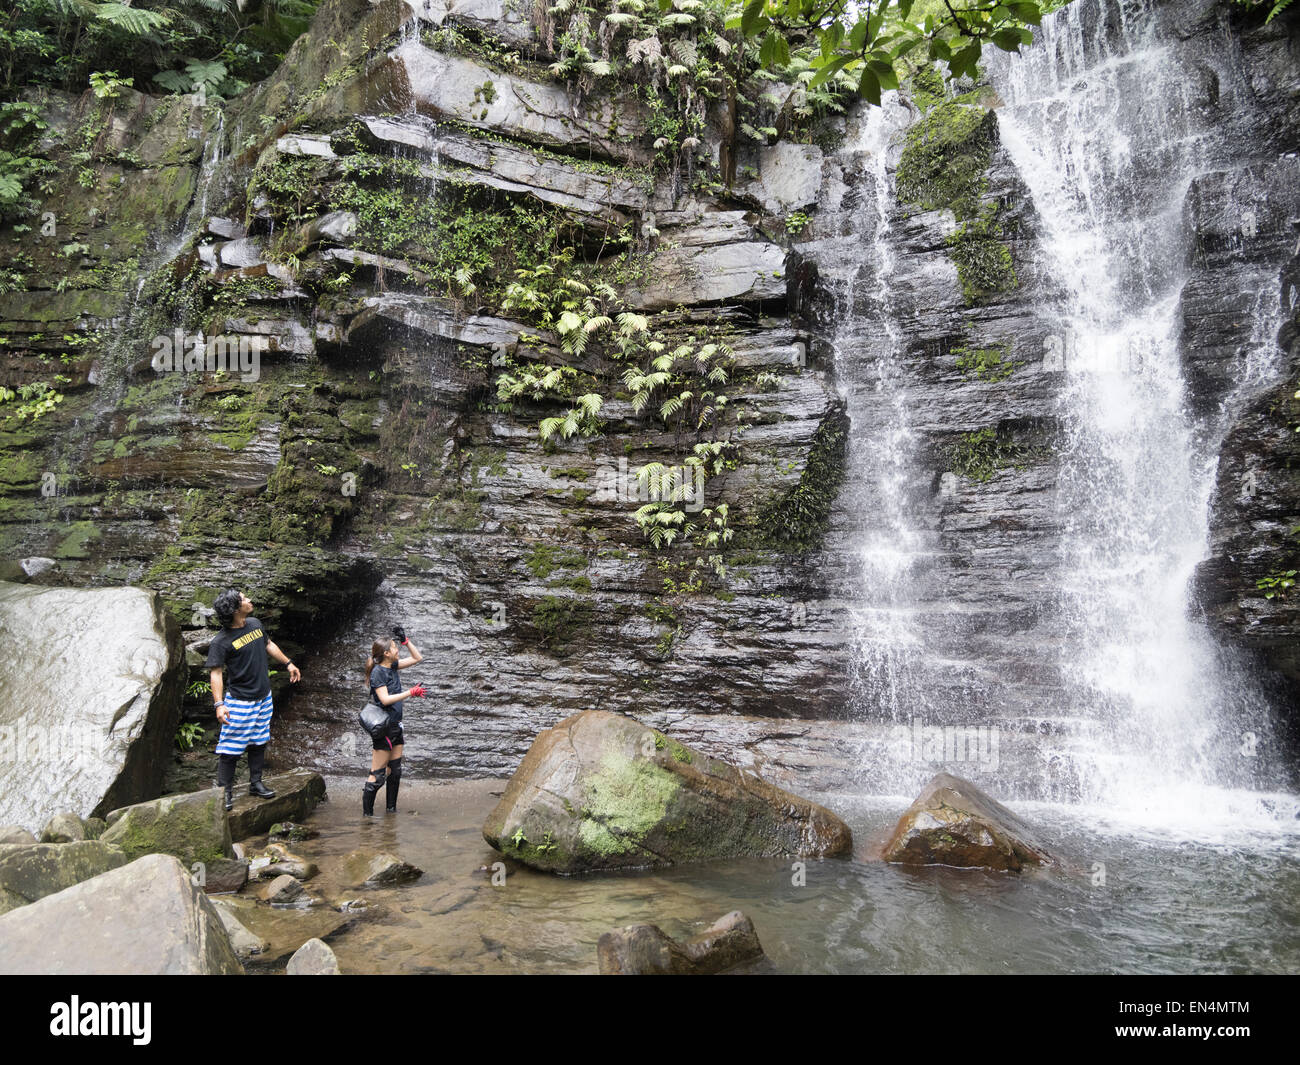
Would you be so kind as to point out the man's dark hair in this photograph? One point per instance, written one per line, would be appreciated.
(225, 605)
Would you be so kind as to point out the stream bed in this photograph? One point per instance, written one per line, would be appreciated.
(1135, 901)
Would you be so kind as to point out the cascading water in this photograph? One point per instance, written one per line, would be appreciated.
(1154, 721)
(881, 454)
(1104, 129)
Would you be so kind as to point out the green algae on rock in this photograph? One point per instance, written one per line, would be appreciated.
(603, 791)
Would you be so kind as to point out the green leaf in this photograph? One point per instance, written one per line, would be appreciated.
(966, 61)
(869, 86)
(1027, 12)
(830, 69)
(1008, 40)
(873, 23)
(904, 46)
(134, 20)
(750, 17)
(939, 49)
(858, 35)
(884, 72)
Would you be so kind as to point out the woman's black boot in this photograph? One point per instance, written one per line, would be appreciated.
(369, 791)
(394, 782)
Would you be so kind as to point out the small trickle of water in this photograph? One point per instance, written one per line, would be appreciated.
(882, 443)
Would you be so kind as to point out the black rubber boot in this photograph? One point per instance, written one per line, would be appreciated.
(370, 790)
(256, 761)
(394, 782)
(226, 777)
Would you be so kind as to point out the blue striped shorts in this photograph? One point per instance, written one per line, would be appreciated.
(249, 725)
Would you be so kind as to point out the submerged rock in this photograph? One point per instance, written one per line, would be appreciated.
(953, 823)
(31, 872)
(292, 832)
(644, 949)
(370, 870)
(277, 861)
(313, 958)
(602, 791)
(283, 889)
(246, 943)
(101, 733)
(146, 918)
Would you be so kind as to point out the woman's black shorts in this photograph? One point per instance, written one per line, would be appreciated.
(392, 737)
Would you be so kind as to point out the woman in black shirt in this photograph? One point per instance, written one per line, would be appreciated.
(387, 743)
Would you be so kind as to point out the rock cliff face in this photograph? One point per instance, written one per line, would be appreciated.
(345, 234)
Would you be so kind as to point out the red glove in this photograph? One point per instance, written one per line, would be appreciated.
(418, 692)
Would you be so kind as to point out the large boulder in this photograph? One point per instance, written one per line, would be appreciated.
(146, 918)
(952, 822)
(31, 872)
(645, 950)
(96, 735)
(192, 827)
(603, 791)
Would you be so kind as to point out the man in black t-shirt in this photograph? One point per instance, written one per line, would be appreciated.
(243, 702)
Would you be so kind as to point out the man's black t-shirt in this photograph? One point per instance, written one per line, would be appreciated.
(243, 653)
(387, 676)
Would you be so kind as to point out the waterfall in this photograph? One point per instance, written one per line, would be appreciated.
(868, 350)
(1103, 122)
(1114, 698)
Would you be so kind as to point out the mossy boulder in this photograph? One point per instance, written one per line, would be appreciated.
(952, 822)
(191, 827)
(32, 871)
(603, 791)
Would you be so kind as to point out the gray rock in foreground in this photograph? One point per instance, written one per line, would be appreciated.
(146, 918)
(101, 733)
(313, 958)
(644, 949)
(33, 871)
